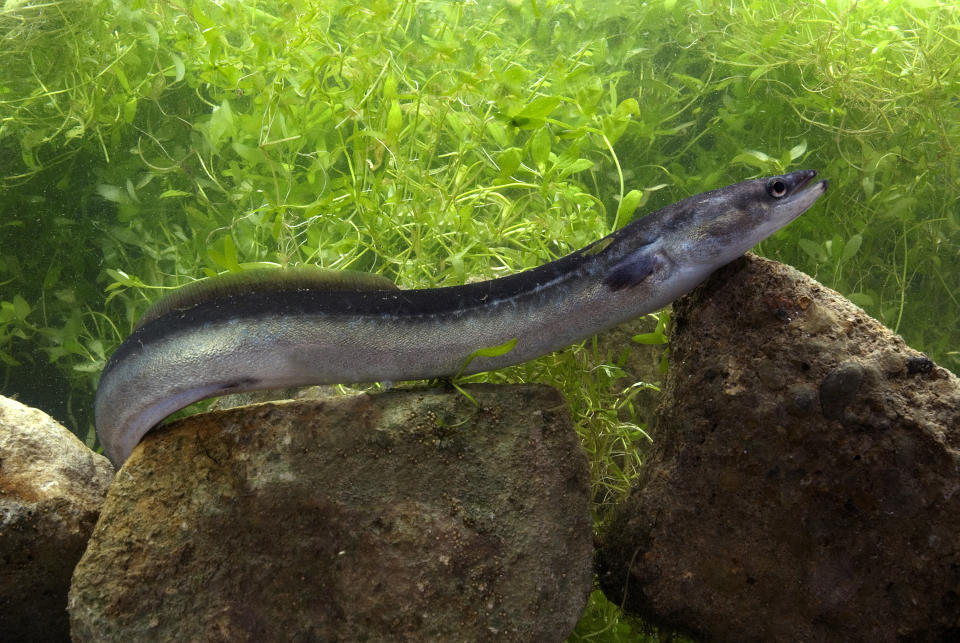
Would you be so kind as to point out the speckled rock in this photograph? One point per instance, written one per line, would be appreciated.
(406, 515)
(51, 491)
(805, 478)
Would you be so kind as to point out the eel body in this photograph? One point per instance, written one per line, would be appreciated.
(276, 332)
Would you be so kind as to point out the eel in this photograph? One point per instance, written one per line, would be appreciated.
(287, 329)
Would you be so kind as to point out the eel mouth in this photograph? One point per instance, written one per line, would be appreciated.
(800, 186)
(797, 193)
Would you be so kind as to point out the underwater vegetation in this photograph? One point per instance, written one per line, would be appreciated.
(146, 144)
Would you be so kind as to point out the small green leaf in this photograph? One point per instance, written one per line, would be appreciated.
(277, 229)
(52, 277)
(771, 38)
(113, 193)
(758, 160)
(179, 69)
(628, 205)
(598, 247)
(489, 351)
(458, 123)
(797, 150)
(8, 359)
(589, 96)
(651, 339)
(627, 108)
(169, 194)
(220, 123)
(539, 108)
(834, 246)
(121, 280)
(132, 192)
(498, 132)
(815, 250)
(540, 148)
(535, 113)
(75, 132)
(495, 351)
(130, 110)
(216, 257)
(390, 87)
(29, 157)
(230, 254)
(90, 440)
(663, 320)
(692, 83)
(394, 120)
(758, 72)
(73, 347)
(118, 275)
(122, 77)
(578, 165)
(509, 161)
(676, 129)
(249, 153)
(95, 346)
(152, 34)
(21, 307)
(852, 246)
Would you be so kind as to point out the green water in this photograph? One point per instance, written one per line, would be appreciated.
(146, 144)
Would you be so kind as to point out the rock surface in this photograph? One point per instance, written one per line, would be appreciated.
(406, 515)
(805, 478)
(51, 491)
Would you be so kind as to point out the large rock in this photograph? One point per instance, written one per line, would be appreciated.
(805, 479)
(51, 491)
(408, 515)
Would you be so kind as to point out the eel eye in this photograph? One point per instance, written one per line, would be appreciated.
(776, 188)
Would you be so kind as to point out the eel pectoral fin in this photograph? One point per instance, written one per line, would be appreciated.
(632, 270)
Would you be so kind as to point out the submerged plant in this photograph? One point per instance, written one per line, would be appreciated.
(144, 145)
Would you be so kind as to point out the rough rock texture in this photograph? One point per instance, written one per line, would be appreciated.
(51, 491)
(407, 515)
(805, 479)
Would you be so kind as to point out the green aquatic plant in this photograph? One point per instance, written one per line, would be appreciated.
(487, 351)
(14, 324)
(604, 621)
(145, 144)
(875, 86)
(658, 337)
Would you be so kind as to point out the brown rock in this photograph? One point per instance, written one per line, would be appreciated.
(805, 480)
(407, 515)
(51, 491)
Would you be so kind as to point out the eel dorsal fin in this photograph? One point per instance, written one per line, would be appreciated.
(260, 280)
